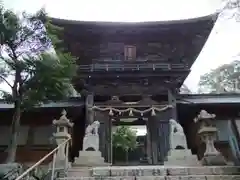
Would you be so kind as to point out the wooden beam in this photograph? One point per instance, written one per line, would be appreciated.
(172, 101)
(128, 90)
(89, 112)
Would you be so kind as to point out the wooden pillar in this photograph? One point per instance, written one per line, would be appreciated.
(108, 144)
(102, 138)
(89, 111)
(149, 144)
(172, 114)
(163, 140)
(172, 101)
(105, 135)
(153, 137)
(158, 128)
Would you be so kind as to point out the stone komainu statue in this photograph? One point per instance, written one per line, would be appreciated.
(91, 138)
(177, 136)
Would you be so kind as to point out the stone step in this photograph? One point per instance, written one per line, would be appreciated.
(192, 177)
(164, 171)
(77, 171)
(149, 171)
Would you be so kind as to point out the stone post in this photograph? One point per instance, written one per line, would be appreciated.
(61, 135)
(208, 134)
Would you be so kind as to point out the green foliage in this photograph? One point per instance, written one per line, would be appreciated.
(224, 79)
(125, 138)
(30, 66)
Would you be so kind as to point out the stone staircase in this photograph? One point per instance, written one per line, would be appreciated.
(154, 173)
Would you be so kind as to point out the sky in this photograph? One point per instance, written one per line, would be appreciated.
(221, 47)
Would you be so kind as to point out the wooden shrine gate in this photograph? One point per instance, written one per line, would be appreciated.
(158, 136)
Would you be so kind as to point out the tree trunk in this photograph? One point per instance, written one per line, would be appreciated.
(126, 156)
(12, 147)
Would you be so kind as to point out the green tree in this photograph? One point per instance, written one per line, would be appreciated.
(233, 6)
(125, 138)
(224, 79)
(32, 65)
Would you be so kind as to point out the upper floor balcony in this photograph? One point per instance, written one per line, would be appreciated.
(131, 66)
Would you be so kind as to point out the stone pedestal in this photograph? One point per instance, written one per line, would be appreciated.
(213, 160)
(179, 154)
(182, 157)
(89, 158)
(90, 155)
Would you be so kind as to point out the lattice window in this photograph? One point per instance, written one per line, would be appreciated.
(130, 52)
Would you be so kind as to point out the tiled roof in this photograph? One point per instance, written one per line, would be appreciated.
(181, 99)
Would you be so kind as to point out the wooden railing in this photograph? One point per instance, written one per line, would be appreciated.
(65, 145)
(132, 67)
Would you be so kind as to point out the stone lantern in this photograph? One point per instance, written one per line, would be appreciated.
(208, 134)
(62, 134)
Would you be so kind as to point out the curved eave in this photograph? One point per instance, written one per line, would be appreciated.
(193, 33)
(211, 17)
